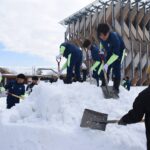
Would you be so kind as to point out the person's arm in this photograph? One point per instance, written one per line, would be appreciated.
(64, 66)
(136, 114)
(61, 52)
(123, 56)
(62, 49)
(116, 49)
(100, 68)
(95, 65)
(67, 63)
(112, 59)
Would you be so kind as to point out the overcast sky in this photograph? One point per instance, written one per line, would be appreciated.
(30, 32)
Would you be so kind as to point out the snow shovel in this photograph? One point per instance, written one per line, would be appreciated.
(14, 95)
(108, 90)
(106, 81)
(58, 62)
(105, 89)
(95, 120)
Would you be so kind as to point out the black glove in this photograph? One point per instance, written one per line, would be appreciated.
(121, 122)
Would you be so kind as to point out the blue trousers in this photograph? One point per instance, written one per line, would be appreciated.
(75, 63)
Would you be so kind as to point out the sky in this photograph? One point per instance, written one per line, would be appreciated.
(30, 33)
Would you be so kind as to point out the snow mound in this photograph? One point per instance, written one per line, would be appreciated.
(59, 108)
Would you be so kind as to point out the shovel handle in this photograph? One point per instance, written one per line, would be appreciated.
(116, 121)
(106, 122)
(14, 95)
(58, 60)
(112, 121)
(106, 81)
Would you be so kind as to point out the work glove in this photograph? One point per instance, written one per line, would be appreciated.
(121, 122)
(2, 89)
(22, 97)
(105, 67)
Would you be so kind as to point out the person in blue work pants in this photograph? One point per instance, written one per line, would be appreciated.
(74, 60)
(114, 48)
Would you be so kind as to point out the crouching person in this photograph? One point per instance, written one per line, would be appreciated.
(16, 90)
(74, 60)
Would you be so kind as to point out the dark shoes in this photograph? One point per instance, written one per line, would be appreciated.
(66, 81)
(116, 90)
(79, 80)
(116, 85)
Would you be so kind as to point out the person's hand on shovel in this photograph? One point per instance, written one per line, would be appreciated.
(58, 58)
(106, 67)
(121, 122)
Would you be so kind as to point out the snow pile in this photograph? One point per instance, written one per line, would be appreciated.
(51, 117)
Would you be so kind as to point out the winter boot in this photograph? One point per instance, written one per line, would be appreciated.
(116, 85)
(103, 82)
(67, 81)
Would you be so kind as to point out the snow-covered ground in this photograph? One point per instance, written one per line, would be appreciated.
(49, 119)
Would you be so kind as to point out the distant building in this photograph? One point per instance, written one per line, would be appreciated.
(131, 19)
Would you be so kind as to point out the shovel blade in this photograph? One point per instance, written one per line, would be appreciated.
(109, 93)
(94, 120)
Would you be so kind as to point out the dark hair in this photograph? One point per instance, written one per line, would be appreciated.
(21, 76)
(86, 43)
(103, 28)
(127, 78)
(34, 78)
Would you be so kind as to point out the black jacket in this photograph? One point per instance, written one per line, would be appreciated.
(14, 88)
(30, 87)
(141, 107)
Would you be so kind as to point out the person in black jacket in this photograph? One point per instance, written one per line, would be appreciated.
(141, 107)
(30, 86)
(17, 88)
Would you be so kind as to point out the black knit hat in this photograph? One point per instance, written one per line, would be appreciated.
(21, 76)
